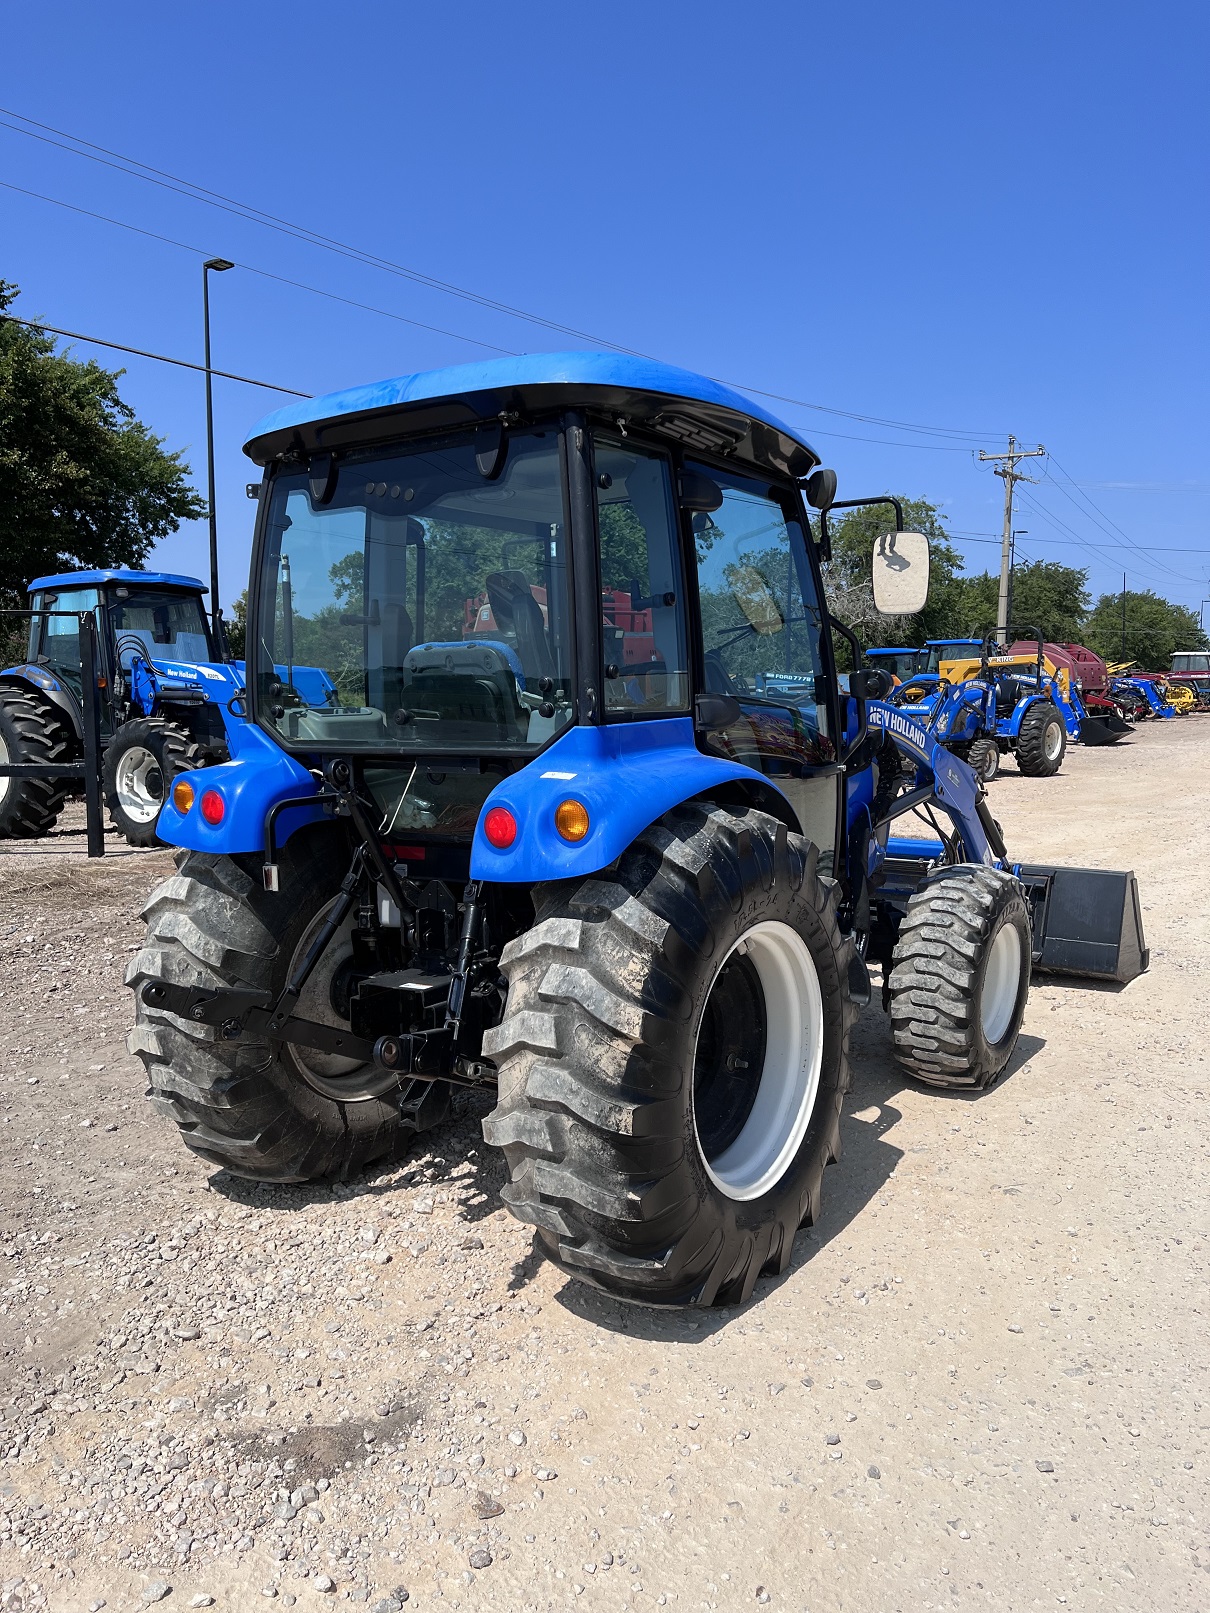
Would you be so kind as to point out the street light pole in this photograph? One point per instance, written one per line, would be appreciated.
(218, 265)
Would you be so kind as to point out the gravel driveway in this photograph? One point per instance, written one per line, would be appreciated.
(982, 1383)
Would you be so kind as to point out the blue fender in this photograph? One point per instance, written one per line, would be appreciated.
(41, 677)
(627, 775)
(258, 775)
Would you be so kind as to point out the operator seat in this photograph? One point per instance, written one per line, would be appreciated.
(518, 614)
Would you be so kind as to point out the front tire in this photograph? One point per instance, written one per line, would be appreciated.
(673, 1058)
(31, 731)
(1042, 740)
(959, 977)
(984, 757)
(140, 763)
(264, 1109)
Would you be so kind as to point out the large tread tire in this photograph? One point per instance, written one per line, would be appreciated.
(32, 731)
(596, 1056)
(945, 992)
(174, 751)
(242, 1104)
(983, 757)
(1039, 752)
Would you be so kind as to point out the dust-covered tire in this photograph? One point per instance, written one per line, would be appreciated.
(137, 770)
(612, 1060)
(1041, 741)
(959, 978)
(31, 731)
(245, 1103)
(983, 757)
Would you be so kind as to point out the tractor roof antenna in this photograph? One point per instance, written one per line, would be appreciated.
(1006, 466)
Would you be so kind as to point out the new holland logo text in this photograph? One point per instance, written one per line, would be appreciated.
(896, 723)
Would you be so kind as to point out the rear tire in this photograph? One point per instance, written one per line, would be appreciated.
(32, 731)
(1042, 740)
(139, 765)
(673, 1059)
(959, 979)
(259, 1108)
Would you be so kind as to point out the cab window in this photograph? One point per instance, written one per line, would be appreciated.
(642, 596)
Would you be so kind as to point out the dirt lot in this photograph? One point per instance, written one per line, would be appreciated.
(982, 1384)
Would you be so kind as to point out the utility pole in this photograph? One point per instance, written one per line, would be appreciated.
(1006, 466)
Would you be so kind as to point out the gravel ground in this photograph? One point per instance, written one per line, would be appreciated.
(980, 1385)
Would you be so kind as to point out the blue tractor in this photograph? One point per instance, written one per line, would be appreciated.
(900, 662)
(588, 825)
(167, 701)
(984, 703)
(165, 696)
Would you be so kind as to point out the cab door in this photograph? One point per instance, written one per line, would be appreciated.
(761, 627)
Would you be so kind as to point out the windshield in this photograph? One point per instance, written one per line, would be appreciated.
(160, 627)
(423, 606)
(954, 649)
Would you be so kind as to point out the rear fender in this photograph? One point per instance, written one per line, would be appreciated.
(259, 775)
(627, 775)
(41, 682)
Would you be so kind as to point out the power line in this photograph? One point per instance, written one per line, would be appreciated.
(249, 268)
(137, 169)
(162, 358)
(1102, 520)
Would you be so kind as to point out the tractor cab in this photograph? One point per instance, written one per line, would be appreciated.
(155, 616)
(900, 663)
(939, 650)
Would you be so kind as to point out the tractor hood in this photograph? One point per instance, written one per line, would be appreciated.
(702, 413)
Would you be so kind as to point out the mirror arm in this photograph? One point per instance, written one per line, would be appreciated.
(860, 503)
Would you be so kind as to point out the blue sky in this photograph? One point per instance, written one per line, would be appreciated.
(944, 215)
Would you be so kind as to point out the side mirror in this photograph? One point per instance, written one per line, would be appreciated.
(900, 573)
(821, 489)
(699, 493)
(714, 712)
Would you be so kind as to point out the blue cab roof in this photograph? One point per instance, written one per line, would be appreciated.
(641, 388)
(133, 579)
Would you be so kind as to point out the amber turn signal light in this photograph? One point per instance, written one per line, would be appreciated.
(571, 820)
(182, 795)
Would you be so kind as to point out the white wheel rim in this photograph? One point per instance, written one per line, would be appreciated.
(5, 783)
(1001, 984)
(1053, 740)
(140, 784)
(789, 1080)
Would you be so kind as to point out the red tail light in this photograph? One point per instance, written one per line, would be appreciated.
(500, 827)
(213, 806)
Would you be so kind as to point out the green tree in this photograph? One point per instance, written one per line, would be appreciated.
(847, 574)
(82, 482)
(1154, 628)
(237, 627)
(1045, 594)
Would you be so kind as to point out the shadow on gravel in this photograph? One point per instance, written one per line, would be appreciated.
(868, 1161)
(452, 1159)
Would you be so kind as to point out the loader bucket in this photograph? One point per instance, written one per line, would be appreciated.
(1086, 921)
(1106, 730)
